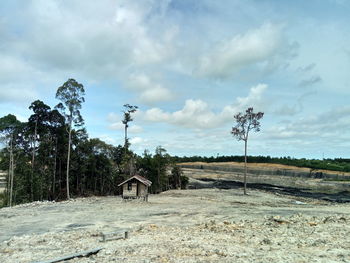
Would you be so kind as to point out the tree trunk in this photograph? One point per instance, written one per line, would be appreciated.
(82, 184)
(77, 184)
(42, 175)
(158, 178)
(245, 166)
(68, 159)
(60, 177)
(9, 189)
(11, 172)
(54, 172)
(95, 185)
(33, 160)
(101, 184)
(7, 192)
(9, 181)
(126, 138)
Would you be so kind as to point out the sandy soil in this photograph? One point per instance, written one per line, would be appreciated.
(206, 225)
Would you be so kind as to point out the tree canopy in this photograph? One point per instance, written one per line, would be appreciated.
(38, 153)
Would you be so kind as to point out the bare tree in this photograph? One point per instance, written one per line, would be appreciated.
(128, 110)
(244, 123)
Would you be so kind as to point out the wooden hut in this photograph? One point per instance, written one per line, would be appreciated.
(135, 187)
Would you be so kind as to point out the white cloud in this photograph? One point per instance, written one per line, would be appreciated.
(254, 96)
(97, 41)
(135, 129)
(155, 115)
(115, 121)
(255, 46)
(119, 126)
(254, 99)
(197, 114)
(136, 140)
(155, 94)
(149, 91)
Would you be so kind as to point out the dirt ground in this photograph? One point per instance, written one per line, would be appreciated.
(263, 166)
(204, 225)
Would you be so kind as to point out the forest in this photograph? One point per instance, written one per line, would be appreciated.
(51, 157)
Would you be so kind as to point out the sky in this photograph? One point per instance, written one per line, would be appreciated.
(189, 66)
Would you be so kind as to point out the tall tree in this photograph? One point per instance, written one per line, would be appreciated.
(36, 121)
(56, 132)
(128, 110)
(244, 123)
(8, 128)
(161, 160)
(71, 94)
(175, 177)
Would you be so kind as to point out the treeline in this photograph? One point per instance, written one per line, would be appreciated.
(36, 155)
(337, 164)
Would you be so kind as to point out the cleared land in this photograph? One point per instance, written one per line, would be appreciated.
(203, 225)
(322, 184)
(265, 167)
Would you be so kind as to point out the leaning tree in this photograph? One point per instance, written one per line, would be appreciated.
(71, 94)
(244, 123)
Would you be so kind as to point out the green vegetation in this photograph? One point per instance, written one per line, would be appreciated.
(51, 157)
(337, 164)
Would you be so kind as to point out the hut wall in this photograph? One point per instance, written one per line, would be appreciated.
(131, 192)
(142, 190)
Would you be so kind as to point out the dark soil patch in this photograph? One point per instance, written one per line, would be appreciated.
(341, 197)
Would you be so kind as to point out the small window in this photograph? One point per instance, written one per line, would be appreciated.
(129, 186)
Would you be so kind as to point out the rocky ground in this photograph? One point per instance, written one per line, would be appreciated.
(204, 225)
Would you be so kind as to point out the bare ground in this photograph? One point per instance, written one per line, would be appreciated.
(337, 191)
(263, 166)
(205, 225)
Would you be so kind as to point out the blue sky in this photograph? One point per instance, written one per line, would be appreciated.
(189, 66)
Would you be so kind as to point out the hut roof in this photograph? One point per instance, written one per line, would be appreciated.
(139, 178)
